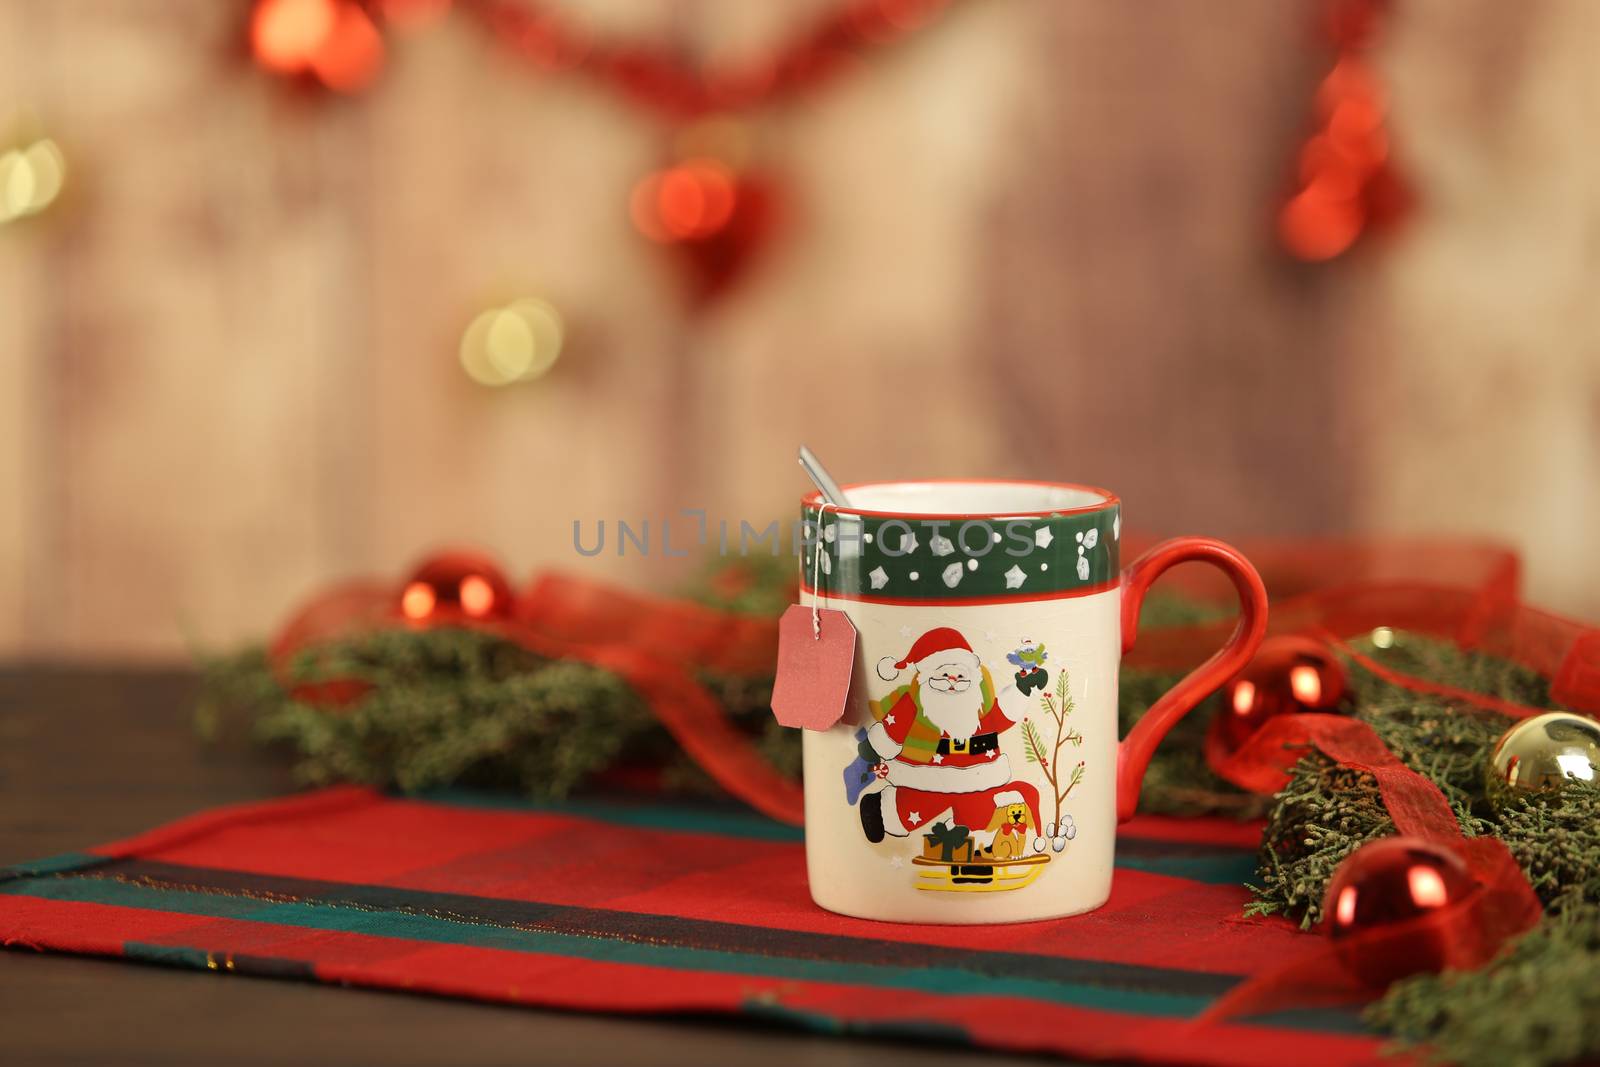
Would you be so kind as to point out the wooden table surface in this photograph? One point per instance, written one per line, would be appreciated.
(91, 755)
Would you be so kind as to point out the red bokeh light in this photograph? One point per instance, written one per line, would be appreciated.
(1328, 170)
(1315, 227)
(477, 596)
(286, 34)
(334, 39)
(689, 202)
(1350, 79)
(418, 600)
(352, 53)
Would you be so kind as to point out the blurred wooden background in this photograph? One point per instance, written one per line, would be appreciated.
(1033, 241)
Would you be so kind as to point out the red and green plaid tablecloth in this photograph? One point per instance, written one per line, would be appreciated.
(655, 907)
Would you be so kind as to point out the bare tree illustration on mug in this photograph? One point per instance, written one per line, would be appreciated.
(1058, 708)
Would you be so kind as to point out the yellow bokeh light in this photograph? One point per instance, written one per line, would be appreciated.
(514, 343)
(30, 179)
(549, 333)
(508, 346)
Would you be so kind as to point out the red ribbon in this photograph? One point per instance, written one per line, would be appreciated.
(1463, 593)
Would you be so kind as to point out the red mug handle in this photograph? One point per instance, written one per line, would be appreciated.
(1133, 754)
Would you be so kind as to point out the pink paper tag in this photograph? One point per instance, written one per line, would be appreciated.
(814, 666)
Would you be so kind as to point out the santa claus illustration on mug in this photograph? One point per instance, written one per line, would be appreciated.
(936, 742)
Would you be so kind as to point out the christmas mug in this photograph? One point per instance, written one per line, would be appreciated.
(972, 771)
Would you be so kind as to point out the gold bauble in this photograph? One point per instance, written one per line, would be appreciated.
(1544, 752)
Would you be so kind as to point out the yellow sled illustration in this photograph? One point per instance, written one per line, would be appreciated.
(982, 876)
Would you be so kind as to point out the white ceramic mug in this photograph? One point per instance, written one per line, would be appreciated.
(977, 775)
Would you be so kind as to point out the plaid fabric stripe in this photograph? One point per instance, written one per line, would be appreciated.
(615, 906)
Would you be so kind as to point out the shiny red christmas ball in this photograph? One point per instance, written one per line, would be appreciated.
(1388, 908)
(456, 585)
(1289, 675)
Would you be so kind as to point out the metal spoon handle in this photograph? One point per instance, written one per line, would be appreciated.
(822, 479)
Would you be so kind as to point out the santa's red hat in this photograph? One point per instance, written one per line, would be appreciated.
(939, 642)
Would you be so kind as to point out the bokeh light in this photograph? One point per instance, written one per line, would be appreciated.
(352, 53)
(334, 39)
(517, 342)
(287, 34)
(688, 202)
(1305, 682)
(477, 596)
(1315, 227)
(31, 178)
(417, 601)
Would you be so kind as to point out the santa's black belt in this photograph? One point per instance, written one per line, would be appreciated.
(975, 746)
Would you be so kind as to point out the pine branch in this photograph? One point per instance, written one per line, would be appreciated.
(1538, 1003)
(456, 707)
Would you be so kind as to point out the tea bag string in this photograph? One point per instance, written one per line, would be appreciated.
(816, 573)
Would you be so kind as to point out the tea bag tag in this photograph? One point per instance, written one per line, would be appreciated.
(816, 655)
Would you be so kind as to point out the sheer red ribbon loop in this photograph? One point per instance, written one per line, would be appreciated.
(1458, 592)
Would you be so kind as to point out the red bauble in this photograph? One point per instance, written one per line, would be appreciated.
(1289, 675)
(715, 219)
(456, 585)
(1389, 908)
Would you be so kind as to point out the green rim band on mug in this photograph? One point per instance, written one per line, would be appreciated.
(979, 559)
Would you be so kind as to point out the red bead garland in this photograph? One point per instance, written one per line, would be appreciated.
(337, 42)
(1346, 182)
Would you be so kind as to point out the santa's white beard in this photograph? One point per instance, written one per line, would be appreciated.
(957, 714)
